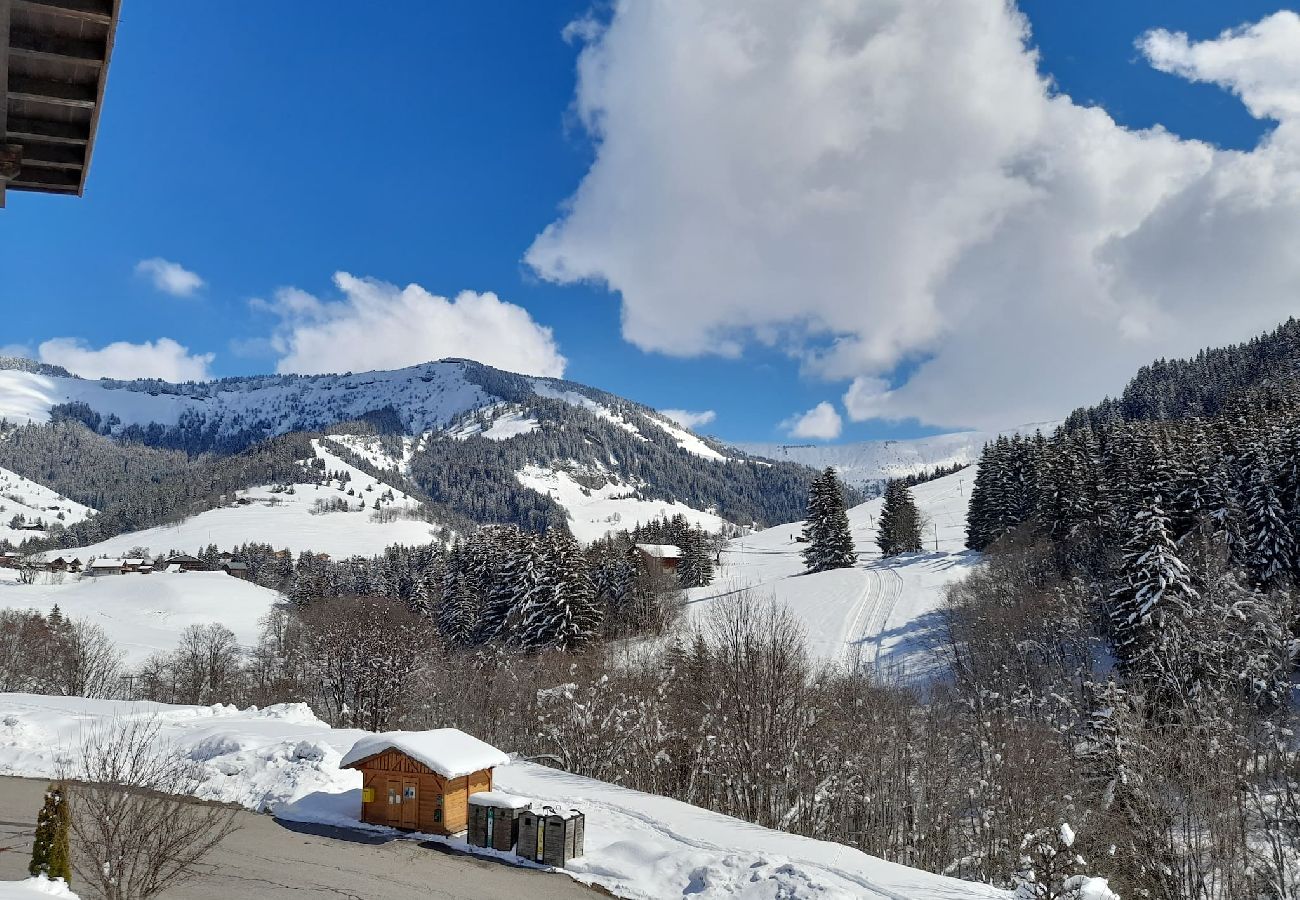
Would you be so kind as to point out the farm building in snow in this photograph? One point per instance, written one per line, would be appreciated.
(422, 780)
(665, 556)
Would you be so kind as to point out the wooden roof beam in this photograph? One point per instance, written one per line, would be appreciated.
(58, 93)
(47, 131)
(98, 11)
(53, 156)
(27, 44)
(5, 7)
(30, 178)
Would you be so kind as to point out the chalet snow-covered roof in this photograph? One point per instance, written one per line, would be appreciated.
(661, 551)
(500, 800)
(448, 751)
(133, 562)
(106, 564)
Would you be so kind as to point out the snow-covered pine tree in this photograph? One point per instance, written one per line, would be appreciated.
(1270, 545)
(1155, 590)
(561, 612)
(900, 522)
(516, 555)
(696, 566)
(826, 528)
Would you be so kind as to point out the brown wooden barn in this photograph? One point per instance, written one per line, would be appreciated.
(422, 780)
(664, 557)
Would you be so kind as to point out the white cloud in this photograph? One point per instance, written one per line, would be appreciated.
(169, 277)
(377, 325)
(821, 423)
(20, 350)
(868, 184)
(689, 419)
(163, 358)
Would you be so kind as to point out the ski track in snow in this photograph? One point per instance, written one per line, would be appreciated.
(882, 613)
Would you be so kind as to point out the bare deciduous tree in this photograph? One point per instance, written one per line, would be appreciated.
(135, 834)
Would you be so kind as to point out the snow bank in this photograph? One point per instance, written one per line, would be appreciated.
(282, 759)
(40, 886)
(448, 751)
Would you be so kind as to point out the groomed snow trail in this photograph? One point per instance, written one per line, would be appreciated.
(882, 613)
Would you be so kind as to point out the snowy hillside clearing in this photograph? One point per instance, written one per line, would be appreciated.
(594, 512)
(283, 760)
(498, 422)
(882, 614)
(144, 614)
(34, 502)
(289, 520)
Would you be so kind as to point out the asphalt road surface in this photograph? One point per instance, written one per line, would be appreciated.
(269, 859)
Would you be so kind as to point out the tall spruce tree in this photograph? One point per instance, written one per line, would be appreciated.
(1270, 551)
(1155, 591)
(826, 529)
(900, 522)
(696, 566)
(561, 612)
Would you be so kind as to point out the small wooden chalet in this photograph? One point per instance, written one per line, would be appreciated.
(665, 556)
(9, 559)
(422, 780)
(184, 563)
(63, 564)
(105, 566)
(235, 568)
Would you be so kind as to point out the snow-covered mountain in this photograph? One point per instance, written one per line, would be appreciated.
(470, 441)
(866, 463)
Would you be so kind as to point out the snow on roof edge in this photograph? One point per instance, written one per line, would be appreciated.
(448, 751)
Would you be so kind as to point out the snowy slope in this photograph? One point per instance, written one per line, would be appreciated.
(866, 462)
(594, 512)
(286, 520)
(637, 845)
(144, 614)
(21, 496)
(34, 888)
(883, 613)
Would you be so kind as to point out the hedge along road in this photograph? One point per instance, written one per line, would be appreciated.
(269, 859)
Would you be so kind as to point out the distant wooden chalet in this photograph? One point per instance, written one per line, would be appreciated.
(54, 57)
(422, 780)
(235, 568)
(9, 559)
(181, 562)
(63, 564)
(664, 556)
(105, 566)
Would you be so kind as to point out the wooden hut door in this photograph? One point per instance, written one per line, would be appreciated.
(410, 803)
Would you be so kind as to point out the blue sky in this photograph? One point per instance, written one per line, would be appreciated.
(431, 144)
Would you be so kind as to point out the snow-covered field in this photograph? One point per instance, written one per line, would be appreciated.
(21, 496)
(283, 760)
(882, 614)
(595, 512)
(285, 520)
(147, 613)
